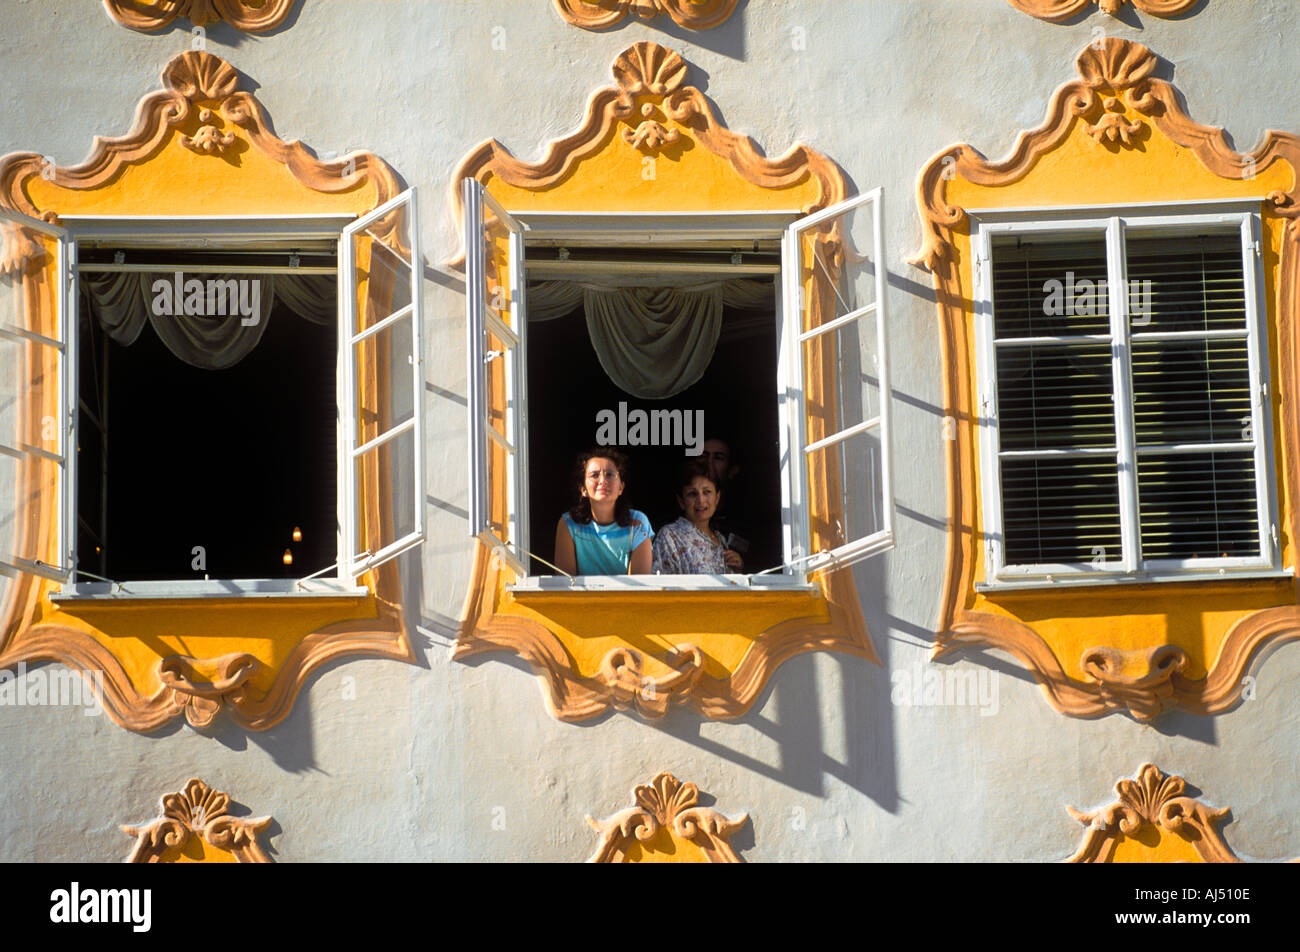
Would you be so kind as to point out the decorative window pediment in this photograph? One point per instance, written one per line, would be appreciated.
(201, 166)
(652, 157)
(1119, 179)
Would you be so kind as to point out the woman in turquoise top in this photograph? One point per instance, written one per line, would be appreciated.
(602, 535)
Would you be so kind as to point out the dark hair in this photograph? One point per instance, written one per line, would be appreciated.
(581, 513)
(692, 469)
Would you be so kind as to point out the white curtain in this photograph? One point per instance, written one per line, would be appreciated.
(123, 302)
(653, 342)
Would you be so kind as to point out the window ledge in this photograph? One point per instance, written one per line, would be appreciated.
(209, 589)
(661, 583)
(1038, 583)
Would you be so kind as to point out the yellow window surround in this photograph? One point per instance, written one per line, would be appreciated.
(199, 146)
(1116, 136)
(710, 650)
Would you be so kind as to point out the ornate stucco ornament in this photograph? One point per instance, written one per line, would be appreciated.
(208, 138)
(197, 820)
(691, 14)
(1153, 802)
(1057, 10)
(666, 820)
(252, 16)
(1137, 649)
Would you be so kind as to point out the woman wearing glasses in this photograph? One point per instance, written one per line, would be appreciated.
(602, 535)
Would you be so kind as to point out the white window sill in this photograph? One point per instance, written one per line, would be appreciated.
(204, 588)
(661, 583)
(1078, 579)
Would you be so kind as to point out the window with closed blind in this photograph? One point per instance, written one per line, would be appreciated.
(1124, 399)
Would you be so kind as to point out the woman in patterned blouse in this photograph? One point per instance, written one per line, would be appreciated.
(690, 546)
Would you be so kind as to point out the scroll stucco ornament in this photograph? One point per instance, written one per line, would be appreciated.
(197, 811)
(669, 806)
(691, 14)
(1154, 798)
(251, 16)
(1058, 10)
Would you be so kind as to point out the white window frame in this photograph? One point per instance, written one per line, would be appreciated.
(65, 302)
(663, 229)
(216, 231)
(1113, 223)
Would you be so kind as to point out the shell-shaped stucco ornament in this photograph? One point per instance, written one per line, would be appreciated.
(649, 68)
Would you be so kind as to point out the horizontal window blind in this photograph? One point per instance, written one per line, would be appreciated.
(1192, 390)
(1188, 427)
(1051, 328)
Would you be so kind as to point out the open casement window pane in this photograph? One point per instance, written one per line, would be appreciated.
(495, 321)
(37, 399)
(379, 340)
(835, 329)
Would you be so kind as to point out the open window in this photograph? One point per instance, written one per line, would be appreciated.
(234, 389)
(747, 316)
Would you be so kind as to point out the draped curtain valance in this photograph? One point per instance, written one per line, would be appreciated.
(123, 302)
(653, 342)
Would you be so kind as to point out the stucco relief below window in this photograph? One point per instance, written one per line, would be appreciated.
(1117, 147)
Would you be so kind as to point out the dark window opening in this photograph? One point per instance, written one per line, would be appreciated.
(235, 461)
(567, 388)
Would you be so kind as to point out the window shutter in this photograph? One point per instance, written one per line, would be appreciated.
(497, 328)
(381, 390)
(38, 331)
(835, 347)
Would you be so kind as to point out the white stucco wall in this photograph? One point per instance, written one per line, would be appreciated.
(825, 765)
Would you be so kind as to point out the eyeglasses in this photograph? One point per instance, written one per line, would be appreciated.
(595, 474)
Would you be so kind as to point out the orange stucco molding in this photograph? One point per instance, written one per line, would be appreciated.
(666, 825)
(1111, 112)
(251, 17)
(195, 825)
(1151, 821)
(691, 14)
(675, 648)
(1058, 10)
(148, 651)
